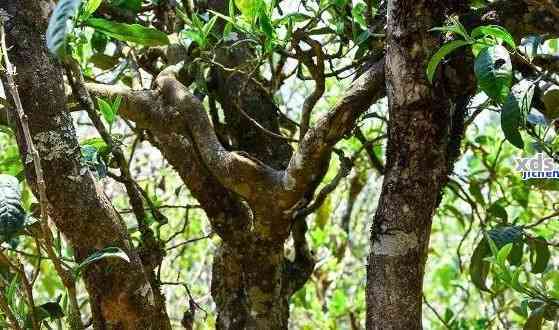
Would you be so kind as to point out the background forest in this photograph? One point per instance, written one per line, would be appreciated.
(218, 164)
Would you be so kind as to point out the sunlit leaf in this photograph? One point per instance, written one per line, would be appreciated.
(129, 32)
(493, 71)
(440, 55)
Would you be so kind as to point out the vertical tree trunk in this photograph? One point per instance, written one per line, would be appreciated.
(417, 167)
(247, 287)
(121, 296)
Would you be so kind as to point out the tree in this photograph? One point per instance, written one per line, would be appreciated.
(203, 83)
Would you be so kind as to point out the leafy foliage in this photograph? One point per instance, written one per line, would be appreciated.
(12, 215)
(60, 24)
(493, 70)
(129, 32)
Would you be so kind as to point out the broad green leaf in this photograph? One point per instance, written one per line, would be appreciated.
(494, 31)
(60, 25)
(12, 214)
(503, 254)
(108, 252)
(515, 256)
(106, 110)
(440, 54)
(539, 254)
(493, 71)
(499, 237)
(89, 8)
(129, 32)
(514, 112)
(479, 268)
(498, 211)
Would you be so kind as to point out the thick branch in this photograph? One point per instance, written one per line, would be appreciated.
(173, 109)
(308, 164)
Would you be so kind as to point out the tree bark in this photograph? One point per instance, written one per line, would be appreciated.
(418, 163)
(121, 296)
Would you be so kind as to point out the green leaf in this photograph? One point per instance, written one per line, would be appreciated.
(60, 25)
(266, 23)
(493, 71)
(108, 252)
(498, 211)
(248, 7)
(479, 268)
(292, 17)
(107, 110)
(539, 254)
(440, 54)
(129, 32)
(494, 31)
(116, 104)
(503, 254)
(182, 15)
(195, 36)
(12, 214)
(515, 112)
(515, 256)
(209, 26)
(499, 237)
(98, 144)
(475, 190)
(89, 8)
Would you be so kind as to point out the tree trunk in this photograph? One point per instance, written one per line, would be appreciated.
(121, 296)
(247, 287)
(418, 163)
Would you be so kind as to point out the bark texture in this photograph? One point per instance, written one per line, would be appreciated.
(418, 158)
(251, 204)
(121, 296)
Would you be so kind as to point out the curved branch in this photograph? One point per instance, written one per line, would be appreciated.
(173, 109)
(309, 162)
